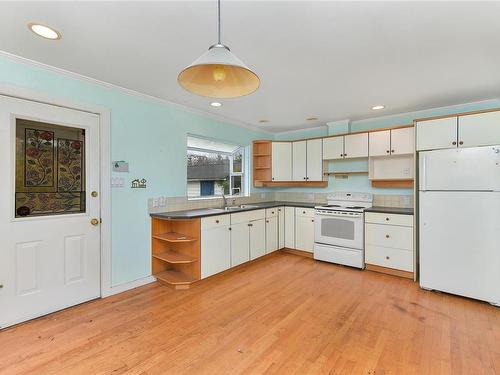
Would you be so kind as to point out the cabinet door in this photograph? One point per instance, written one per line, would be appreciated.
(356, 145)
(281, 227)
(380, 143)
(304, 233)
(479, 130)
(215, 250)
(290, 227)
(315, 160)
(257, 238)
(333, 148)
(271, 234)
(437, 134)
(240, 244)
(403, 141)
(282, 161)
(299, 164)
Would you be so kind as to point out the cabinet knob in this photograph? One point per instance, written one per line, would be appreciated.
(341, 155)
(387, 151)
(387, 257)
(303, 212)
(392, 151)
(345, 154)
(272, 179)
(312, 220)
(386, 236)
(216, 221)
(229, 228)
(267, 221)
(387, 219)
(454, 143)
(461, 142)
(304, 178)
(272, 212)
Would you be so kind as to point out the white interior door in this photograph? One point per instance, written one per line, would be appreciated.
(282, 161)
(299, 161)
(49, 165)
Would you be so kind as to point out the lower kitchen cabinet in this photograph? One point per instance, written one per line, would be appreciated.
(240, 244)
(289, 227)
(271, 234)
(215, 245)
(389, 243)
(281, 227)
(304, 229)
(257, 238)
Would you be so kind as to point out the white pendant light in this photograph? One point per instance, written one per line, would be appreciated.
(218, 73)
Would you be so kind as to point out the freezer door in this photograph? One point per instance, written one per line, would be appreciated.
(461, 169)
(459, 243)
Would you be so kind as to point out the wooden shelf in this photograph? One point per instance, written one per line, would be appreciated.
(174, 257)
(291, 183)
(344, 173)
(261, 154)
(174, 237)
(262, 167)
(393, 183)
(175, 278)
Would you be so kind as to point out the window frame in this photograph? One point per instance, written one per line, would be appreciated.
(241, 149)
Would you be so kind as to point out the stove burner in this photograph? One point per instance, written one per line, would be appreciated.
(355, 207)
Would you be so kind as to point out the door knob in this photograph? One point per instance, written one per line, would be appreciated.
(94, 221)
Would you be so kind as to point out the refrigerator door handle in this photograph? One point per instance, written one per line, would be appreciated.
(423, 179)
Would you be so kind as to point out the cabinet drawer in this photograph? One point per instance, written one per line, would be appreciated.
(245, 217)
(391, 258)
(272, 212)
(391, 219)
(389, 236)
(215, 221)
(307, 212)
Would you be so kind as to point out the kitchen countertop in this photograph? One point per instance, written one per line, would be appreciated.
(391, 210)
(204, 212)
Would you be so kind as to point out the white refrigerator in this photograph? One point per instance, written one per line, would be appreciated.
(459, 222)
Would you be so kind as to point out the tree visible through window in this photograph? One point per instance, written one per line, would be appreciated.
(214, 168)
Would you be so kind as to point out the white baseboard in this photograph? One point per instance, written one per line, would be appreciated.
(127, 286)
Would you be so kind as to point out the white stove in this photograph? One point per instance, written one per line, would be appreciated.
(339, 229)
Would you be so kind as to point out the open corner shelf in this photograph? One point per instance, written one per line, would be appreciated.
(175, 247)
(174, 237)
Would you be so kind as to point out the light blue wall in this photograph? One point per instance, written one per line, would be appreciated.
(361, 182)
(148, 134)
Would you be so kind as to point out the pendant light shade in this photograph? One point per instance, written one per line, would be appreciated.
(218, 73)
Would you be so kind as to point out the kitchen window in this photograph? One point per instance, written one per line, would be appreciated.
(215, 168)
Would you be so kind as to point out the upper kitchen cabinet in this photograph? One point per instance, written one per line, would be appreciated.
(299, 164)
(333, 148)
(398, 141)
(481, 129)
(468, 130)
(281, 161)
(346, 146)
(314, 160)
(437, 134)
(307, 160)
(356, 145)
(403, 141)
(380, 143)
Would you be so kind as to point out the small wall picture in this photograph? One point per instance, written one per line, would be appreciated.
(139, 183)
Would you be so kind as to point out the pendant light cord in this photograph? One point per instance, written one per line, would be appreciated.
(218, 17)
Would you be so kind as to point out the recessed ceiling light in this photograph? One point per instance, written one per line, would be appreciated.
(44, 31)
(311, 118)
(376, 107)
(216, 104)
(262, 121)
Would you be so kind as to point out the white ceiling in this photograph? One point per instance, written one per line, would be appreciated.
(331, 60)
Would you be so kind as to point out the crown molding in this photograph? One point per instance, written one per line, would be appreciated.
(131, 92)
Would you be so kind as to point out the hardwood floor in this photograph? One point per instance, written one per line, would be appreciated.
(283, 315)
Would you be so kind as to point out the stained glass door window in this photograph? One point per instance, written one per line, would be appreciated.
(50, 169)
